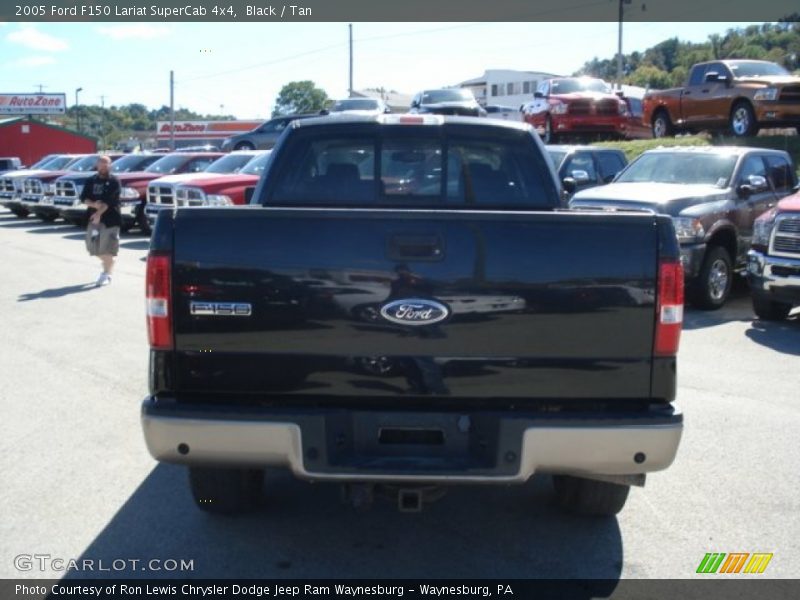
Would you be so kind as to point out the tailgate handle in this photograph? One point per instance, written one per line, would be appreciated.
(416, 247)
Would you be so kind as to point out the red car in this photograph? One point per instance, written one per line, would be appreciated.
(578, 106)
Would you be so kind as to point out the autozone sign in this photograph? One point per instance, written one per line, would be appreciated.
(33, 104)
(204, 129)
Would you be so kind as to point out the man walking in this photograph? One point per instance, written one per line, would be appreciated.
(101, 195)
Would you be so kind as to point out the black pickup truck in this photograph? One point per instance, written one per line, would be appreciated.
(405, 304)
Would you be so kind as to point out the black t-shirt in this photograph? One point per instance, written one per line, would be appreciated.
(104, 189)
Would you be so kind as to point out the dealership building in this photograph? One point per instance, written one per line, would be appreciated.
(505, 87)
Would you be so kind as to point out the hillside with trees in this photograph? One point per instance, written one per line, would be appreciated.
(117, 123)
(667, 64)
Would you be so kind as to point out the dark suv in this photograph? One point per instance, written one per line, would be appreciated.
(449, 101)
(262, 137)
(582, 167)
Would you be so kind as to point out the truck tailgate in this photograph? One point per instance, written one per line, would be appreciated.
(375, 303)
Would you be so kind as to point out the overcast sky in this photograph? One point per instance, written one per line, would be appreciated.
(238, 68)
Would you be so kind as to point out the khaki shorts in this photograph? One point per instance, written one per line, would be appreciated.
(105, 243)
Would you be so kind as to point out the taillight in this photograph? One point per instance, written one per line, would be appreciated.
(669, 317)
(159, 309)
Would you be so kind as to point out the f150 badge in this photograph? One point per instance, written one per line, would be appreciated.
(415, 311)
(221, 309)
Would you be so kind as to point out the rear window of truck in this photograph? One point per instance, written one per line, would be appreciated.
(422, 170)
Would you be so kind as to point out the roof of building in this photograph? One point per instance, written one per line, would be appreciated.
(391, 98)
(13, 120)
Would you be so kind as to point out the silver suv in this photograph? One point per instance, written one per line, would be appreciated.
(262, 137)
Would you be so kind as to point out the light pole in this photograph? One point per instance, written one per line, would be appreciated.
(77, 110)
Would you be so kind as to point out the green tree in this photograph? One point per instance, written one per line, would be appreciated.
(299, 97)
(650, 76)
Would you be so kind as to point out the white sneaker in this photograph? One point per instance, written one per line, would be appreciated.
(104, 279)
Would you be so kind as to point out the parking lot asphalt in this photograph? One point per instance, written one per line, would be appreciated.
(77, 481)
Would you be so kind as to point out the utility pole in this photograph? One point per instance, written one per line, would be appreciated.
(619, 46)
(41, 87)
(172, 110)
(103, 121)
(350, 27)
(77, 109)
(619, 40)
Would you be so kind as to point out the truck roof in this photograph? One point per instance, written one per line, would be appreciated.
(581, 148)
(737, 150)
(409, 119)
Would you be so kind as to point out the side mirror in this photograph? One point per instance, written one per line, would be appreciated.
(570, 185)
(619, 94)
(538, 95)
(414, 104)
(714, 77)
(579, 176)
(387, 110)
(248, 194)
(324, 111)
(754, 185)
(758, 183)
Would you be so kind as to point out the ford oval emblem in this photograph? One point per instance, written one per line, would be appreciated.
(415, 311)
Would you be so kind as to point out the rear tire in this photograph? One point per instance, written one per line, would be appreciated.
(549, 137)
(587, 497)
(21, 212)
(225, 491)
(713, 284)
(662, 125)
(244, 146)
(769, 310)
(47, 218)
(142, 223)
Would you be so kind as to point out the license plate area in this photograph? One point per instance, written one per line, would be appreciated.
(408, 443)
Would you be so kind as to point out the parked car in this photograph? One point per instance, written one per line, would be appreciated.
(67, 188)
(773, 263)
(448, 101)
(9, 163)
(358, 106)
(573, 335)
(734, 96)
(201, 148)
(582, 167)
(133, 194)
(11, 184)
(223, 189)
(161, 192)
(38, 191)
(263, 137)
(507, 113)
(582, 107)
(635, 129)
(713, 194)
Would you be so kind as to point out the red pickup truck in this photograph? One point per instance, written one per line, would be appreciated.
(579, 106)
(134, 187)
(222, 189)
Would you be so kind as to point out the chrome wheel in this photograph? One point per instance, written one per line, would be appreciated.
(741, 120)
(718, 278)
(548, 131)
(659, 128)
